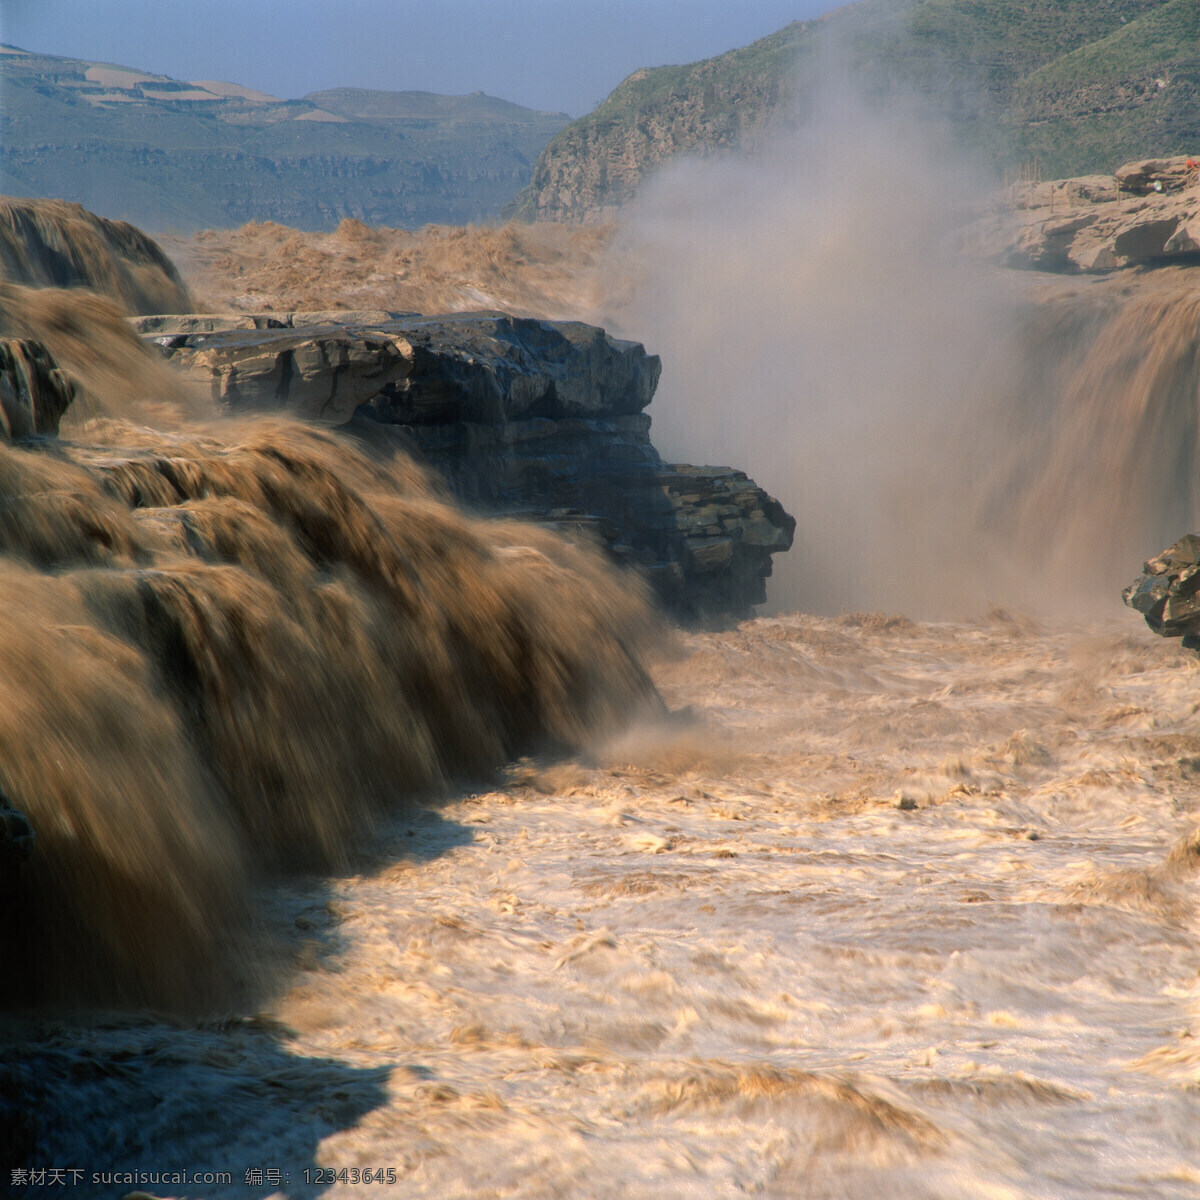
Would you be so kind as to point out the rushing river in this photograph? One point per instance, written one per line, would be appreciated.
(882, 909)
(864, 908)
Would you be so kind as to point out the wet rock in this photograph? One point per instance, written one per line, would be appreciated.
(34, 392)
(174, 323)
(16, 838)
(1167, 593)
(545, 419)
(323, 373)
(539, 419)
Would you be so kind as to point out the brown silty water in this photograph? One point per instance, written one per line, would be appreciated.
(868, 906)
(1100, 429)
(228, 645)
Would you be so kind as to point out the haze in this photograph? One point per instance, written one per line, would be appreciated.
(545, 54)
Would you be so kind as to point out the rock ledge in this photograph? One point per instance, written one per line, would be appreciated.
(539, 419)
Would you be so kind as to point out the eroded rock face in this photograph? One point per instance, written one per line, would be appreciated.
(1148, 212)
(488, 367)
(540, 419)
(323, 373)
(34, 392)
(545, 418)
(708, 550)
(1167, 593)
(175, 323)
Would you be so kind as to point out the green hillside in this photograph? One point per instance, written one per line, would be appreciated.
(1163, 35)
(1135, 92)
(1080, 85)
(171, 155)
(770, 58)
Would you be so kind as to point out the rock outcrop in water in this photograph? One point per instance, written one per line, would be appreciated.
(1167, 593)
(34, 393)
(321, 375)
(536, 418)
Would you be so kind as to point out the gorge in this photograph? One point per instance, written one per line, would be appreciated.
(375, 833)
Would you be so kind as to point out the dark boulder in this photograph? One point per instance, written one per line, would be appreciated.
(545, 419)
(16, 839)
(1167, 593)
(539, 419)
(34, 392)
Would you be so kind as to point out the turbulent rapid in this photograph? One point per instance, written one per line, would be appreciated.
(386, 849)
(227, 646)
(887, 909)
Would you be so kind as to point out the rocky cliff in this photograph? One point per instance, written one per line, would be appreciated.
(1078, 85)
(539, 419)
(595, 164)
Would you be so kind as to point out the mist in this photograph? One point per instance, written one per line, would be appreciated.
(819, 328)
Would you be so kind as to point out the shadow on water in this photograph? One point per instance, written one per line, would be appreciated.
(217, 1108)
(125, 1100)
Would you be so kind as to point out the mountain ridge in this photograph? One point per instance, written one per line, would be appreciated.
(174, 154)
(1078, 85)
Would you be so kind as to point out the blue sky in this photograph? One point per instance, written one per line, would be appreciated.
(557, 55)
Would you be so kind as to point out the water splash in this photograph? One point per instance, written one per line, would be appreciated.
(228, 645)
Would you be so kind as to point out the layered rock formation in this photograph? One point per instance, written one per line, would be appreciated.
(1146, 213)
(1167, 593)
(171, 154)
(322, 377)
(536, 418)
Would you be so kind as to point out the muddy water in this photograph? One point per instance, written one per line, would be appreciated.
(733, 963)
(883, 910)
(227, 648)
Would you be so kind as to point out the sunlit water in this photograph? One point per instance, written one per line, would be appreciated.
(884, 910)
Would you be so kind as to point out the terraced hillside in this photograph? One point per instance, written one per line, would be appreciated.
(171, 155)
(1079, 85)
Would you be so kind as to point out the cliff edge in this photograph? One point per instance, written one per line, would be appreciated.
(543, 420)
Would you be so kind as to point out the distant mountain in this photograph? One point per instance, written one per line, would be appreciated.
(1078, 85)
(172, 155)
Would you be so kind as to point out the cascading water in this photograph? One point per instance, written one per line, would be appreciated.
(227, 646)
